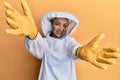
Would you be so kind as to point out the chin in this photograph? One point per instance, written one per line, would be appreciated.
(58, 36)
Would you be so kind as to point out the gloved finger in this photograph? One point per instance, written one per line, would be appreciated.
(12, 23)
(99, 65)
(105, 60)
(10, 14)
(95, 41)
(26, 9)
(111, 54)
(13, 31)
(8, 6)
(112, 49)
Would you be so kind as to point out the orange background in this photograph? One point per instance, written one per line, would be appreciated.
(96, 16)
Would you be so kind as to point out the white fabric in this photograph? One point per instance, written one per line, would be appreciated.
(57, 55)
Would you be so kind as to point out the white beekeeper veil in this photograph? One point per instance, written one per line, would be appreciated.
(46, 25)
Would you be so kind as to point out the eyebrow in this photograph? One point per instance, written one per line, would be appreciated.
(60, 22)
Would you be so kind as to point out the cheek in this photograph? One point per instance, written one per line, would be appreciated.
(55, 28)
(67, 28)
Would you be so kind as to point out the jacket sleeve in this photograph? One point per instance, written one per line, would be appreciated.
(36, 46)
(73, 46)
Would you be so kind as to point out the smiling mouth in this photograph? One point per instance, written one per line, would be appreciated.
(59, 32)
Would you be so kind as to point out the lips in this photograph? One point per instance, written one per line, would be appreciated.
(59, 32)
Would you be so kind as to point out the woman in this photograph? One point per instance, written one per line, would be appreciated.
(57, 50)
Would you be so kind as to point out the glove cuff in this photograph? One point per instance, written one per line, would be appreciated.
(33, 35)
(79, 52)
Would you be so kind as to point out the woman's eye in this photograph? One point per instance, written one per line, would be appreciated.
(57, 23)
(65, 26)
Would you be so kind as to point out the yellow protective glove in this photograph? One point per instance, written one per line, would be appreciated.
(20, 24)
(96, 55)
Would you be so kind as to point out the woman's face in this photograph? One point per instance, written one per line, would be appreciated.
(60, 26)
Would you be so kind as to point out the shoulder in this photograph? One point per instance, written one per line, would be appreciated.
(71, 39)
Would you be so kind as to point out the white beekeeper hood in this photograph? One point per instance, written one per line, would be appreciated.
(46, 25)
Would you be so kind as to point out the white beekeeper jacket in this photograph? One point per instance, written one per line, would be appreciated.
(57, 54)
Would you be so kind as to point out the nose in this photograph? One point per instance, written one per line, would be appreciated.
(61, 28)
